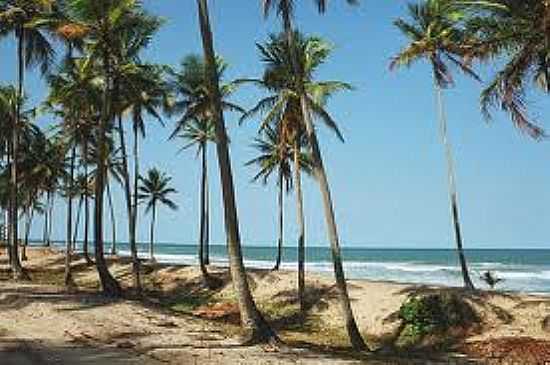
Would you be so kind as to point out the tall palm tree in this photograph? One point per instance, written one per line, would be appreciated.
(435, 35)
(190, 102)
(252, 320)
(30, 21)
(281, 108)
(105, 22)
(131, 77)
(517, 32)
(274, 157)
(200, 133)
(285, 9)
(155, 189)
(10, 102)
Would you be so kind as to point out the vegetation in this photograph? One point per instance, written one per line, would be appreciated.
(433, 314)
(90, 53)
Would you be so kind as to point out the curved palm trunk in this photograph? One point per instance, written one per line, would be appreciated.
(281, 223)
(354, 335)
(113, 218)
(453, 199)
(17, 269)
(301, 226)
(152, 241)
(68, 250)
(252, 320)
(110, 285)
(129, 210)
(202, 239)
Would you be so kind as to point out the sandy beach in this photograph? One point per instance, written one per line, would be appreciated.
(181, 322)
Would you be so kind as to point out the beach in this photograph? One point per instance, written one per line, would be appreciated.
(180, 321)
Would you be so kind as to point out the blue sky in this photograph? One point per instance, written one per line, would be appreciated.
(388, 179)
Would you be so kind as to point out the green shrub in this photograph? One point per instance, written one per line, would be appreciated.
(432, 315)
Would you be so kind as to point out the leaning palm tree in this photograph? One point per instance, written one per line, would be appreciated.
(155, 189)
(190, 103)
(281, 108)
(285, 9)
(200, 133)
(435, 35)
(518, 33)
(252, 321)
(275, 156)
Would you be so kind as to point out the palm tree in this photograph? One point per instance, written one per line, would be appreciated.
(10, 102)
(131, 77)
(190, 103)
(281, 108)
(516, 32)
(200, 133)
(30, 21)
(436, 37)
(275, 156)
(252, 320)
(105, 22)
(285, 10)
(154, 189)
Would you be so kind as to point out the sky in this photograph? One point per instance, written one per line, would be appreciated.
(388, 179)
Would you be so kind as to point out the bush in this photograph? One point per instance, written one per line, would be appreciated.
(433, 315)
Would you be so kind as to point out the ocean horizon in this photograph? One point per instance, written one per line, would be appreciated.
(522, 270)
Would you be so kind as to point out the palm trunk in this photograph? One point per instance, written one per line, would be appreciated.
(202, 239)
(85, 244)
(113, 219)
(281, 223)
(129, 210)
(77, 222)
(50, 219)
(46, 222)
(207, 219)
(110, 285)
(135, 209)
(17, 269)
(301, 224)
(152, 237)
(453, 199)
(27, 232)
(354, 335)
(68, 251)
(252, 320)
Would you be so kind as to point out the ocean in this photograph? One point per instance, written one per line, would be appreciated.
(523, 270)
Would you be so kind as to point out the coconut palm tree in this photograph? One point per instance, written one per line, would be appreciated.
(252, 321)
(285, 9)
(281, 109)
(131, 77)
(31, 21)
(435, 35)
(189, 101)
(275, 156)
(10, 114)
(105, 23)
(155, 189)
(518, 33)
(200, 133)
